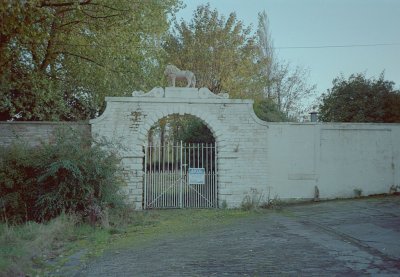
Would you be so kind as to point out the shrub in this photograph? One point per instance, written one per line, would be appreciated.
(72, 174)
(17, 180)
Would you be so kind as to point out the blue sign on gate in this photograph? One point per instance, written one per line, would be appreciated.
(196, 176)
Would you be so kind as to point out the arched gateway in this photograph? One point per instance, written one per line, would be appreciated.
(256, 160)
(240, 139)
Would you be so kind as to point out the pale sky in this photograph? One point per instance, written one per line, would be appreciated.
(321, 23)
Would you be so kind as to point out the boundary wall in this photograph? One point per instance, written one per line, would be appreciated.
(35, 132)
(256, 159)
(337, 157)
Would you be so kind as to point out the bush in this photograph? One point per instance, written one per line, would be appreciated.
(72, 174)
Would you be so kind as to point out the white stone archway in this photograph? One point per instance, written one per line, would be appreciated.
(233, 123)
(256, 158)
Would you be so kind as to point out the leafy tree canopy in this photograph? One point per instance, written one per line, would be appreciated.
(60, 58)
(190, 129)
(359, 99)
(220, 51)
(175, 128)
(267, 110)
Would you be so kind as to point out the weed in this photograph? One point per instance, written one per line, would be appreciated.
(357, 192)
(224, 205)
(252, 201)
(257, 199)
(272, 203)
(394, 189)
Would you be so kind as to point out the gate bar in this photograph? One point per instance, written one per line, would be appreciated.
(181, 185)
(215, 177)
(145, 178)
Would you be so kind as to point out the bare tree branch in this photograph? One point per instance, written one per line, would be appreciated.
(100, 17)
(80, 57)
(46, 59)
(62, 4)
(92, 61)
(111, 8)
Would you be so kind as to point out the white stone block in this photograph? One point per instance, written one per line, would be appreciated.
(177, 92)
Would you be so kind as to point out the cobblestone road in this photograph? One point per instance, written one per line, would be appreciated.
(338, 238)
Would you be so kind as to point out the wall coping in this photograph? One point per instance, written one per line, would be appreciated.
(335, 124)
(46, 122)
(179, 100)
(179, 95)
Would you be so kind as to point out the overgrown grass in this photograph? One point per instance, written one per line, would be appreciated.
(26, 246)
(40, 248)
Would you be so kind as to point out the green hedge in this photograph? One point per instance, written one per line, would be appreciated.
(72, 174)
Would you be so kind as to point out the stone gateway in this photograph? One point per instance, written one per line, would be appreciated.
(256, 158)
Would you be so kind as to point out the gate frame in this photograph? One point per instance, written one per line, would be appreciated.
(183, 178)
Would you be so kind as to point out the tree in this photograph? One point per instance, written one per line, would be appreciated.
(267, 110)
(290, 89)
(190, 129)
(60, 58)
(266, 52)
(222, 54)
(219, 50)
(286, 85)
(359, 99)
(186, 128)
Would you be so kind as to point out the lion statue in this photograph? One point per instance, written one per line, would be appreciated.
(173, 73)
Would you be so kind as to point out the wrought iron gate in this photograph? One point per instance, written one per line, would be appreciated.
(180, 176)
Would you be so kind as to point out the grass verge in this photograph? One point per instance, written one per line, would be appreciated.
(34, 249)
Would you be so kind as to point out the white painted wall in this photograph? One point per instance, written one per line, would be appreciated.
(256, 157)
(336, 157)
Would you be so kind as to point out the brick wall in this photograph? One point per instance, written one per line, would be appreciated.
(35, 132)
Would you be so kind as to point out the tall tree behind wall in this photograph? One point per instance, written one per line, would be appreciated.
(60, 58)
(219, 50)
(286, 85)
(359, 99)
(222, 54)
